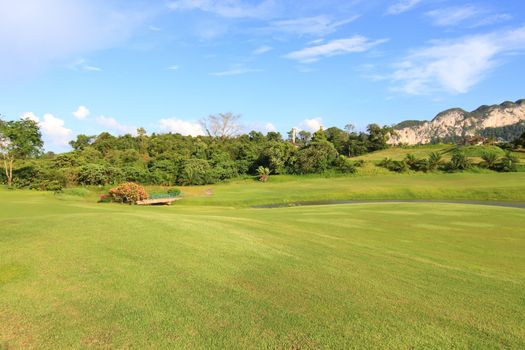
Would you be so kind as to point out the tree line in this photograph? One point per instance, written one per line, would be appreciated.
(173, 159)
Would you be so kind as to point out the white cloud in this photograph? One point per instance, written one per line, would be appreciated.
(180, 126)
(81, 113)
(318, 25)
(312, 54)
(35, 33)
(312, 125)
(270, 127)
(235, 70)
(262, 49)
(227, 8)
(174, 67)
(456, 66)
(475, 16)
(114, 125)
(401, 6)
(52, 128)
(154, 28)
(82, 64)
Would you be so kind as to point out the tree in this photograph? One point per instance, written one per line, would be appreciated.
(508, 162)
(349, 128)
(378, 136)
(489, 159)
(317, 157)
(434, 161)
(263, 173)
(459, 161)
(304, 138)
(339, 138)
(81, 142)
(222, 126)
(18, 140)
(520, 141)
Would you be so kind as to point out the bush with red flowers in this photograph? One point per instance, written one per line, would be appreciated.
(128, 192)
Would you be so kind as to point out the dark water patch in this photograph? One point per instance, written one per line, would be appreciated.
(520, 205)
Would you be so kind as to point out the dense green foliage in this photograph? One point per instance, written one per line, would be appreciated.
(18, 140)
(169, 159)
(508, 132)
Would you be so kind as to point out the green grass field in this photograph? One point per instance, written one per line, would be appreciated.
(289, 189)
(212, 273)
(423, 151)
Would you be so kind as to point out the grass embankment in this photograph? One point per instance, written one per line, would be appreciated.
(446, 150)
(289, 189)
(75, 274)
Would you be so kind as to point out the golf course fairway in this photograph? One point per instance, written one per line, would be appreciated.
(80, 275)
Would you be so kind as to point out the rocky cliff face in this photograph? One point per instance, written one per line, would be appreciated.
(454, 123)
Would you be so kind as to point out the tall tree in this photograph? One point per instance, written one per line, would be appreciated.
(18, 140)
(81, 142)
(222, 125)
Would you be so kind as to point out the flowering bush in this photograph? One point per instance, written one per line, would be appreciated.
(128, 192)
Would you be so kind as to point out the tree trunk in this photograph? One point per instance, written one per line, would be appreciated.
(10, 179)
(8, 167)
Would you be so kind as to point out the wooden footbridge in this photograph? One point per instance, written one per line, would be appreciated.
(162, 199)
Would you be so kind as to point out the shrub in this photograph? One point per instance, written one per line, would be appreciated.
(92, 174)
(105, 198)
(128, 192)
(399, 166)
(174, 192)
(433, 161)
(416, 164)
(459, 161)
(197, 172)
(508, 163)
(317, 157)
(489, 160)
(345, 165)
(263, 173)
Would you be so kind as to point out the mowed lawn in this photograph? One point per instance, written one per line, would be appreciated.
(432, 186)
(75, 274)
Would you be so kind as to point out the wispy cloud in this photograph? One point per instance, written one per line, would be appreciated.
(401, 6)
(235, 70)
(227, 8)
(473, 16)
(114, 125)
(37, 34)
(180, 126)
(456, 66)
(83, 65)
(262, 49)
(337, 47)
(154, 28)
(174, 67)
(317, 25)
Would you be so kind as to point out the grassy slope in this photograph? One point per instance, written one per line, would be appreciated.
(288, 189)
(79, 275)
(423, 151)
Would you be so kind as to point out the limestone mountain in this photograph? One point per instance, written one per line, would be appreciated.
(505, 121)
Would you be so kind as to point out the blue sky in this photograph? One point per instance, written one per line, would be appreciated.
(86, 66)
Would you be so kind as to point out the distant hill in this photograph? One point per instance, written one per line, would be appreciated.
(506, 121)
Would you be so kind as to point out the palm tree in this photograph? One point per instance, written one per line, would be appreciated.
(460, 161)
(434, 160)
(508, 162)
(263, 173)
(489, 159)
